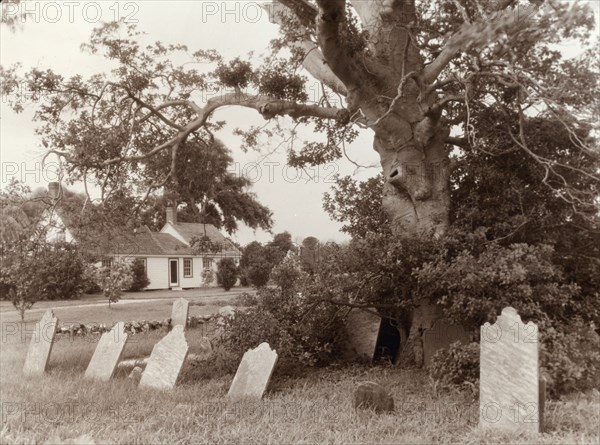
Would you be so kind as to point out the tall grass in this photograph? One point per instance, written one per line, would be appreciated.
(313, 407)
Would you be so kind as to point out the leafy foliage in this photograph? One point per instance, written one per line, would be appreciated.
(227, 273)
(358, 205)
(208, 277)
(114, 280)
(457, 366)
(258, 261)
(139, 278)
(285, 318)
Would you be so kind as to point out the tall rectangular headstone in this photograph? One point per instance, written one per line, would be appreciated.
(254, 372)
(179, 313)
(108, 352)
(41, 344)
(166, 360)
(362, 331)
(509, 380)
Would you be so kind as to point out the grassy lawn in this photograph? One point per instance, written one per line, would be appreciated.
(316, 407)
(201, 294)
(95, 310)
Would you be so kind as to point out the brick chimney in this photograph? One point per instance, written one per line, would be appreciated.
(172, 215)
(54, 189)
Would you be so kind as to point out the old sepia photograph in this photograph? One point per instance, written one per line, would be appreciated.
(299, 222)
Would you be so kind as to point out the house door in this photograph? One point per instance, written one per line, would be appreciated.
(173, 272)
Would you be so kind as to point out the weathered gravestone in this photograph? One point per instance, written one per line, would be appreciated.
(41, 344)
(509, 381)
(441, 335)
(107, 354)
(254, 372)
(179, 313)
(362, 331)
(166, 360)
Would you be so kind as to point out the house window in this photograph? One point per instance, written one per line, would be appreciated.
(107, 262)
(207, 263)
(187, 267)
(145, 263)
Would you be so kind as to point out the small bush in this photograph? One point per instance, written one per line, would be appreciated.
(304, 332)
(227, 273)
(139, 277)
(207, 277)
(90, 279)
(245, 300)
(258, 273)
(114, 280)
(570, 357)
(60, 272)
(457, 366)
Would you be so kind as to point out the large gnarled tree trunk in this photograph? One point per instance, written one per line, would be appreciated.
(391, 90)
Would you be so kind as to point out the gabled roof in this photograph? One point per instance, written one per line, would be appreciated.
(189, 231)
(142, 242)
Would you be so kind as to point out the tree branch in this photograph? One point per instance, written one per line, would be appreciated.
(331, 16)
(268, 107)
(459, 142)
(313, 62)
(467, 35)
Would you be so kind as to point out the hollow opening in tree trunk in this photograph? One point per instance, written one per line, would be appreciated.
(388, 342)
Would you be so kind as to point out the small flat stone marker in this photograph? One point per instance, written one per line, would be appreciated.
(166, 360)
(254, 372)
(371, 395)
(509, 378)
(41, 344)
(179, 313)
(108, 352)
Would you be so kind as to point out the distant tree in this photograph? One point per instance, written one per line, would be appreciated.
(310, 253)
(19, 278)
(139, 279)
(227, 273)
(279, 247)
(254, 265)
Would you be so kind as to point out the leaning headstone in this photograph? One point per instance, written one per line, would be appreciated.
(362, 331)
(107, 354)
(509, 380)
(441, 335)
(179, 313)
(41, 344)
(371, 395)
(166, 360)
(254, 372)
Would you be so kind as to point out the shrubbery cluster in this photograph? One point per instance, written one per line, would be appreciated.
(303, 333)
(457, 366)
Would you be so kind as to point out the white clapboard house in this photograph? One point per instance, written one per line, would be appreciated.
(170, 261)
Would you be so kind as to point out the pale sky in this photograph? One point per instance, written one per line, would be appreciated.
(233, 29)
(51, 39)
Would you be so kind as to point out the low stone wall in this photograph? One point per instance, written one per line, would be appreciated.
(131, 327)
